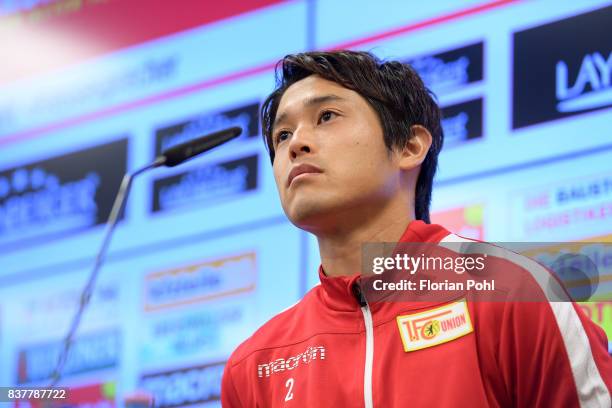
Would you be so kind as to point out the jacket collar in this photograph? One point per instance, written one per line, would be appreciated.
(339, 293)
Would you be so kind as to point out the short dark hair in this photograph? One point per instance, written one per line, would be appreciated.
(392, 88)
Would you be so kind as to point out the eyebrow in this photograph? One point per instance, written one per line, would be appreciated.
(309, 102)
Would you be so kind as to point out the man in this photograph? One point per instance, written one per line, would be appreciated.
(354, 143)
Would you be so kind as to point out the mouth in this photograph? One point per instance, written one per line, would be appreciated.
(300, 170)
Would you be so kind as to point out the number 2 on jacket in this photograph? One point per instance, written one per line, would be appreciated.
(289, 385)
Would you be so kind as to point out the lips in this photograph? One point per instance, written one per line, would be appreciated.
(302, 169)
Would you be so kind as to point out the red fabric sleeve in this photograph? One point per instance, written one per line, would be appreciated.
(229, 395)
(552, 355)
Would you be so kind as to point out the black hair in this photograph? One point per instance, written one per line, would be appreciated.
(392, 88)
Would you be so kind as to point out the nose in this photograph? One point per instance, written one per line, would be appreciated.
(301, 143)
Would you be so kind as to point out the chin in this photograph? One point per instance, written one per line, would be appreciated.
(309, 216)
(320, 217)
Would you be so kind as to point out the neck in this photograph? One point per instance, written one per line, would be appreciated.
(340, 249)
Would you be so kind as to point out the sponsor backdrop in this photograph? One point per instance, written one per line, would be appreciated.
(203, 254)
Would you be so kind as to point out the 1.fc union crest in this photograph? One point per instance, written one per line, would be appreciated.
(434, 326)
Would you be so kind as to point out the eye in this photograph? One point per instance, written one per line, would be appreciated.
(327, 116)
(281, 136)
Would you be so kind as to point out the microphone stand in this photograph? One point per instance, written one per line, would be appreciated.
(170, 158)
(118, 206)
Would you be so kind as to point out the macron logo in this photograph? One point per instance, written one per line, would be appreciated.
(281, 364)
(595, 73)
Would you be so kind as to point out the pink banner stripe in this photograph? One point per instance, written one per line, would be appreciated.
(35, 132)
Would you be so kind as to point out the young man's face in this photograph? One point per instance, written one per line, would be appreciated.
(331, 164)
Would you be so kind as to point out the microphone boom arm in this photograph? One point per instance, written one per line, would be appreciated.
(170, 157)
(118, 206)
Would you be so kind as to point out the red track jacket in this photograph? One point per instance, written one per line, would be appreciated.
(334, 350)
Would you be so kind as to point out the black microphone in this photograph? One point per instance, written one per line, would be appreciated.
(185, 151)
(171, 157)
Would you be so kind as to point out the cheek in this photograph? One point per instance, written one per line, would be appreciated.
(369, 165)
(370, 157)
(277, 177)
(367, 138)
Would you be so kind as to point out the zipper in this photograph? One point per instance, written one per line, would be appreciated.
(369, 356)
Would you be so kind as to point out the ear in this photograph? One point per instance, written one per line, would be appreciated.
(417, 147)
